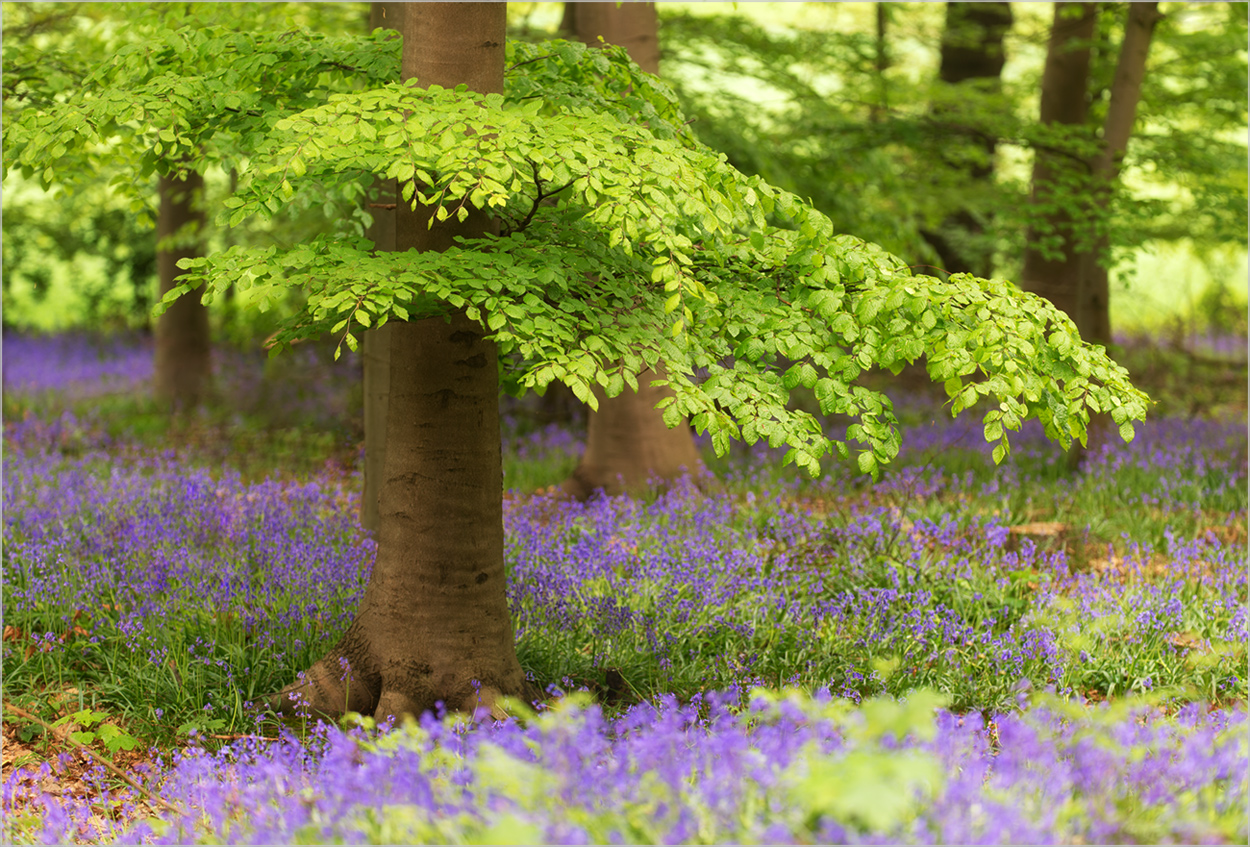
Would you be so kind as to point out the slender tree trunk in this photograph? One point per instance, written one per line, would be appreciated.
(972, 52)
(376, 343)
(227, 311)
(881, 62)
(628, 445)
(183, 368)
(1095, 293)
(1054, 271)
(434, 624)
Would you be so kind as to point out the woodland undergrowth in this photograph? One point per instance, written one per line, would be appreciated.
(1035, 654)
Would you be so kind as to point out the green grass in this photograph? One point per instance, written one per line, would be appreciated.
(968, 581)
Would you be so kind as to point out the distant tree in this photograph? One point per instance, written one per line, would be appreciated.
(902, 148)
(1052, 262)
(1068, 252)
(628, 444)
(55, 60)
(182, 366)
(972, 55)
(1125, 95)
(39, 76)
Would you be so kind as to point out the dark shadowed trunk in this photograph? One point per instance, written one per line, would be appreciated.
(881, 62)
(627, 444)
(183, 367)
(1130, 71)
(972, 54)
(434, 624)
(375, 344)
(1054, 271)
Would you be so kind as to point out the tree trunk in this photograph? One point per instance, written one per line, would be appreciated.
(1095, 290)
(633, 25)
(434, 625)
(881, 63)
(183, 368)
(1055, 273)
(628, 445)
(376, 343)
(972, 50)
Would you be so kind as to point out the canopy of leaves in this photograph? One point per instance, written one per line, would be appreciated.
(902, 140)
(188, 84)
(184, 98)
(622, 242)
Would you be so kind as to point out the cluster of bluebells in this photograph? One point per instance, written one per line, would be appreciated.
(758, 591)
(303, 387)
(175, 563)
(782, 585)
(222, 585)
(785, 769)
(76, 363)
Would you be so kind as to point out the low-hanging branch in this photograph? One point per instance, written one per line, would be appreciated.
(694, 264)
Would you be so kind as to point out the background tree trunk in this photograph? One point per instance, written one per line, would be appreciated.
(881, 62)
(1095, 289)
(1065, 83)
(434, 624)
(183, 365)
(972, 51)
(376, 343)
(627, 444)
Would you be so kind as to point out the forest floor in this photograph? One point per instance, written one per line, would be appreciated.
(1050, 647)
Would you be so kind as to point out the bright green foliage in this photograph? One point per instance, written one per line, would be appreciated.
(811, 102)
(181, 99)
(88, 258)
(622, 242)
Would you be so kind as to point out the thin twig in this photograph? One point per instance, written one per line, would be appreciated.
(118, 772)
(541, 196)
(528, 61)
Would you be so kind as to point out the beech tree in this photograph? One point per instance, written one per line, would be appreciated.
(628, 443)
(576, 231)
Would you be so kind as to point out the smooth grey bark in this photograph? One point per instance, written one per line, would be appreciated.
(434, 624)
(628, 445)
(183, 364)
(375, 347)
